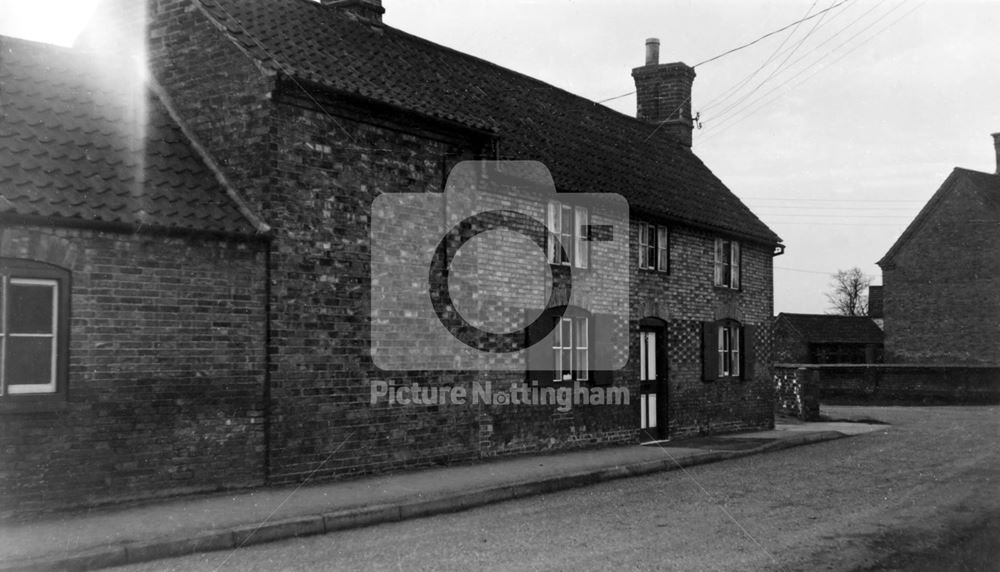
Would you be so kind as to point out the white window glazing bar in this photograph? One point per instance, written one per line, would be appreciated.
(49, 387)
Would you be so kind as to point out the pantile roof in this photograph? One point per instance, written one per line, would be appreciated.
(587, 147)
(825, 328)
(83, 139)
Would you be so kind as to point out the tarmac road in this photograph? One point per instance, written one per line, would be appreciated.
(922, 495)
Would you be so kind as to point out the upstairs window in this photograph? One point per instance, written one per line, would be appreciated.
(568, 243)
(727, 263)
(34, 311)
(654, 247)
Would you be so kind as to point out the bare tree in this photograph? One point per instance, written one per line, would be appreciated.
(848, 296)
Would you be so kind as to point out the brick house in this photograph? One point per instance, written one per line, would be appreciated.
(941, 279)
(131, 294)
(826, 339)
(295, 116)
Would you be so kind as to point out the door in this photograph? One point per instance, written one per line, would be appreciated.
(651, 371)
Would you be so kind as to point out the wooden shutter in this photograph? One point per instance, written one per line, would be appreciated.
(749, 356)
(709, 351)
(601, 348)
(540, 356)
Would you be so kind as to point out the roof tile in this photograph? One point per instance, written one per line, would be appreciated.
(586, 146)
(72, 146)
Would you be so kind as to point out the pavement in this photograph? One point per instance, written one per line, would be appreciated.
(116, 536)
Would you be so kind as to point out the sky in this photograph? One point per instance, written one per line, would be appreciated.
(835, 131)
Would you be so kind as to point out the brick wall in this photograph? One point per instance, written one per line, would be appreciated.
(327, 171)
(796, 391)
(891, 383)
(312, 174)
(165, 372)
(663, 97)
(942, 294)
(685, 298)
(326, 174)
(216, 89)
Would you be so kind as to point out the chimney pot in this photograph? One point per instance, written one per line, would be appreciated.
(652, 51)
(996, 149)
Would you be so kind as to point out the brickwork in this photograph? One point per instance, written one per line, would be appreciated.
(218, 92)
(897, 384)
(942, 290)
(329, 171)
(796, 392)
(311, 165)
(663, 97)
(165, 372)
(685, 298)
(326, 174)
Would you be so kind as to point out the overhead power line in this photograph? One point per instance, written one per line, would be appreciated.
(780, 67)
(757, 104)
(733, 110)
(769, 34)
(615, 97)
(727, 94)
(785, 65)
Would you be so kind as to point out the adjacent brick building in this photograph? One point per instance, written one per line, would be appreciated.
(294, 116)
(941, 279)
(132, 294)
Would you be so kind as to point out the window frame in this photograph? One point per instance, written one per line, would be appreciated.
(575, 242)
(728, 264)
(576, 349)
(654, 247)
(31, 272)
(730, 336)
(728, 350)
(542, 367)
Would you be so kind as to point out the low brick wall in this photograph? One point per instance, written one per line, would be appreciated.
(887, 383)
(795, 392)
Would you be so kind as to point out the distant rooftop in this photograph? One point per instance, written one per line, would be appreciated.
(826, 328)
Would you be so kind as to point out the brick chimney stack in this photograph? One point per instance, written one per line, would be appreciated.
(663, 92)
(996, 149)
(368, 10)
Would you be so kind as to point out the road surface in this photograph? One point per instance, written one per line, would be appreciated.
(921, 495)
